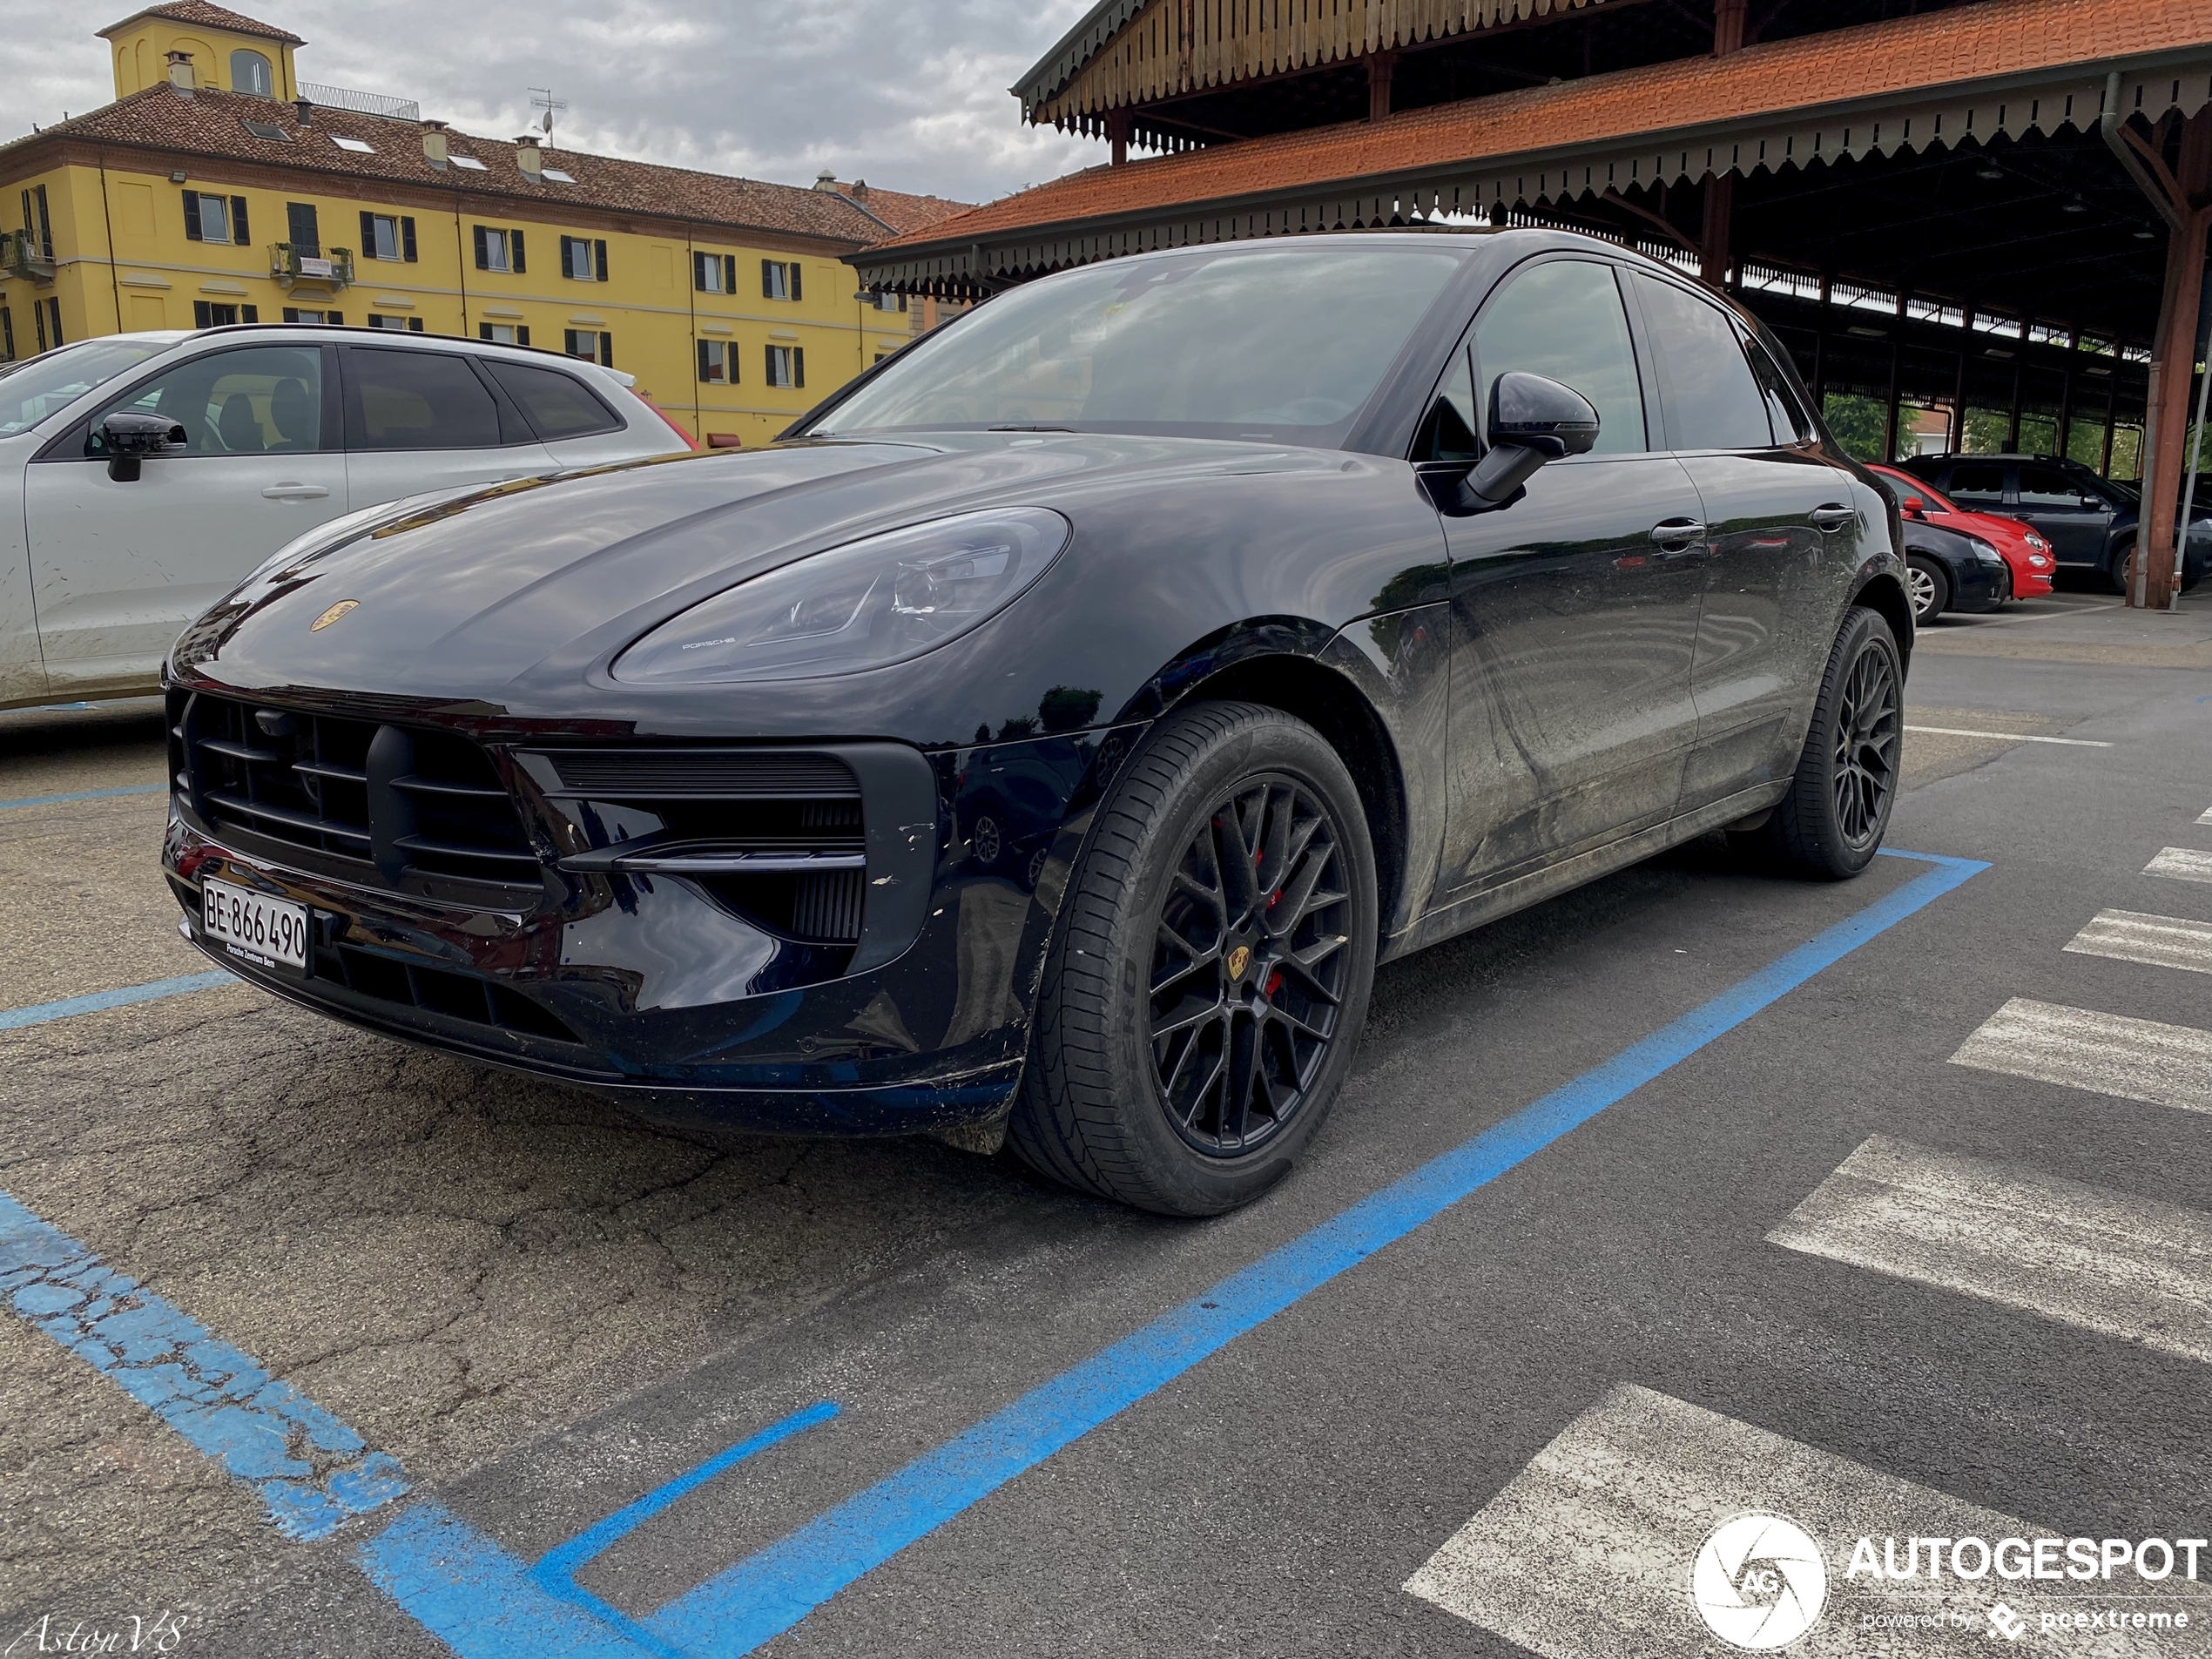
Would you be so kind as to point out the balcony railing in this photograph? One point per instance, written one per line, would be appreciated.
(22, 255)
(289, 266)
(337, 98)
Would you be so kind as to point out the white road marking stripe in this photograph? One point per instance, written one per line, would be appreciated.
(2084, 1255)
(2182, 863)
(2165, 1065)
(1587, 1553)
(2007, 737)
(2205, 817)
(2164, 941)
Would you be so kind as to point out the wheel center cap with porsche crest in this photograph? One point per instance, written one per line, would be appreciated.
(1239, 959)
(333, 615)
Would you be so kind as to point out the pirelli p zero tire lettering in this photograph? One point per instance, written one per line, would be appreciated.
(1211, 971)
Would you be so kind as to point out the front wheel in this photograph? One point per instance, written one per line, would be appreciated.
(1929, 585)
(1832, 822)
(2121, 568)
(1211, 971)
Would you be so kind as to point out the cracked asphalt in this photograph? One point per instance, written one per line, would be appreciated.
(541, 1306)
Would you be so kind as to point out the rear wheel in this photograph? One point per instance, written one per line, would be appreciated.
(1929, 585)
(2117, 571)
(1211, 973)
(1832, 822)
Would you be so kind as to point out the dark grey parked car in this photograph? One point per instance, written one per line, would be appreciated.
(1056, 729)
(2089, 520)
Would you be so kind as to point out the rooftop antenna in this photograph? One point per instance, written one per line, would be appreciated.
(542, 99)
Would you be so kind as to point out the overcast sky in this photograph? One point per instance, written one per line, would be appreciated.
(909, 94)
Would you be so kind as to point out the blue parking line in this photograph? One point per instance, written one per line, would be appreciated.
(122, 996)
(265, 1431)
(81, 794)
(432, 1564)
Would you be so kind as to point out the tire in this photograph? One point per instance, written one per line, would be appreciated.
(986, 841)
(2116, 568)
(1830, 824)
(1188, 1043)
(1929, 585)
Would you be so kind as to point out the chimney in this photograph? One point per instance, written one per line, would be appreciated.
(860, 191)
(526, 158)
(306, 110)
(826, 180)
(180, 74)
(433, 143)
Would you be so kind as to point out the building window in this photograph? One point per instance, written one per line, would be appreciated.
(35, 219)
(205, 315)
(584, 259)
(388, 236)
(7, 336)
(714, 273)
(215, 218)
(593, 348)
(295, 313)
(779, 279)
(499, 250)
(718, 362)
(787, 367)
(300, 226)
(885, 302)
(250, 74)
(407, 325)
(47, 314)
(504, 334)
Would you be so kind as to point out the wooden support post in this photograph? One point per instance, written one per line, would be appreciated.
(1380, 67)
(2065, 393)
(1820, 343)
(2020, 388)
(2166, 414)
(1117, 126)
(1728, 26)
(1896, 371)
(1713, 249)
(2112, 407)
(1956, 438)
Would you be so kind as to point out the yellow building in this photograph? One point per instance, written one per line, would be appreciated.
(219, 188)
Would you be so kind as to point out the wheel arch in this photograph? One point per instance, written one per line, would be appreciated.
(1884, 594)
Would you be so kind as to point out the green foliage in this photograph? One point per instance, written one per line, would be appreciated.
(1860, 425)
(1988, 431)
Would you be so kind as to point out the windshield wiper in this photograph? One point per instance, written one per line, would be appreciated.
(1028, 429)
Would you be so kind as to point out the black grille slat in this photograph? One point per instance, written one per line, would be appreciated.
(287, 817)
(827, 904)
(437, 990)
(716, 774)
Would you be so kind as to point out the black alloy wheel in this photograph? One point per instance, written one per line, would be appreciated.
(2121, 568)
(1209, 972)
(1830, 824)
(986, 841)
(1248, 967)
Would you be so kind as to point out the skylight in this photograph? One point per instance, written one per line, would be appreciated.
(556, 175)
(263, 129)
(469, 162)
(361, 146)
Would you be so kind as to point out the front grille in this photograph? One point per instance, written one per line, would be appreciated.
(392, 801)
(457, 996)
(761, 806)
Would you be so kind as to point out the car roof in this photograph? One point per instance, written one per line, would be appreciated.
(396, 337)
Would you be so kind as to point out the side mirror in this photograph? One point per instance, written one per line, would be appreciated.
(1914, 506)
(2091, 501)
(1532, 421)
(130, 437)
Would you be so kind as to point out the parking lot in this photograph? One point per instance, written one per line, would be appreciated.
(1693, 1192)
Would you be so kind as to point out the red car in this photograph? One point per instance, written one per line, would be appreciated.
(2028, 558)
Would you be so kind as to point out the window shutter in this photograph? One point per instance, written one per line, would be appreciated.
(414, 325)
(406, 241)
(252, 313)
(767, 278)
(7, 335)
(238, 233)
(192, 218)
(599, 255)
(307, 238)
(514, 251)
(483, 253)
(703, 360)
(793, 268)
(368, 234)
(334, 318)
(798, 352)
(201, 318)
(768, 366)
(522, 334)
(606, 351)
(729, 273)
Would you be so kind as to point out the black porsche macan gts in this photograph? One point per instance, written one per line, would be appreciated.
(1051, 735)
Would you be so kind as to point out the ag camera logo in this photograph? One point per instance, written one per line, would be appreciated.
(1758, 1582)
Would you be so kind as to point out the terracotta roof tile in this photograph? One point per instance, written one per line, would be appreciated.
(1940, 49)
(900, 212)
(213, 125)
(207, 16)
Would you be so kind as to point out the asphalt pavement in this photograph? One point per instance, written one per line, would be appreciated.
(1884, 1208)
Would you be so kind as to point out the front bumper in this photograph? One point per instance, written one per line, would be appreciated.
(648, 988)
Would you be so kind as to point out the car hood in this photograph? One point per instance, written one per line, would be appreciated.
(544, 581)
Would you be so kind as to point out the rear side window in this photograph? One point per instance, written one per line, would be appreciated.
(1977, 481)
(416, 400)
(1785, 413)
(2048, 487)
(559, 405)
(1563, 319)
(1705, 380)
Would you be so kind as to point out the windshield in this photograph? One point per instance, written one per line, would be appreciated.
(1283, 345)
(44, 384)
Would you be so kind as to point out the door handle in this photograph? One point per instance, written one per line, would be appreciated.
(294, 492)
(1674, 533)
(1832, 518)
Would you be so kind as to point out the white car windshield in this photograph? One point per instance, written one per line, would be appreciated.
(35, 389)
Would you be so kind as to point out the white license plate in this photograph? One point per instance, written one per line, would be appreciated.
(254, 925)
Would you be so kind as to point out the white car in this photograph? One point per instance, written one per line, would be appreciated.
(142, 476)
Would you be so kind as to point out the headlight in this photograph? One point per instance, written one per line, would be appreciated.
(1984, 551)
(866, 604)
(2037, 542)
(2036, 561)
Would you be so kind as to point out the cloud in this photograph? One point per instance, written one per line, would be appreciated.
(907, 95)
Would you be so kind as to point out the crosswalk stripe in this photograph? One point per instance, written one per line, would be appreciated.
(2181, 864)
(2084, 1255)
(1587, 1553)
(2164, 1065)
(2164, 941)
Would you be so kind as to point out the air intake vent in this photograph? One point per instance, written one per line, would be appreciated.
(457, 996)
(725, 774)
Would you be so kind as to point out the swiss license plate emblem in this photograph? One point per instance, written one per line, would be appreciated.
(269, 932)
